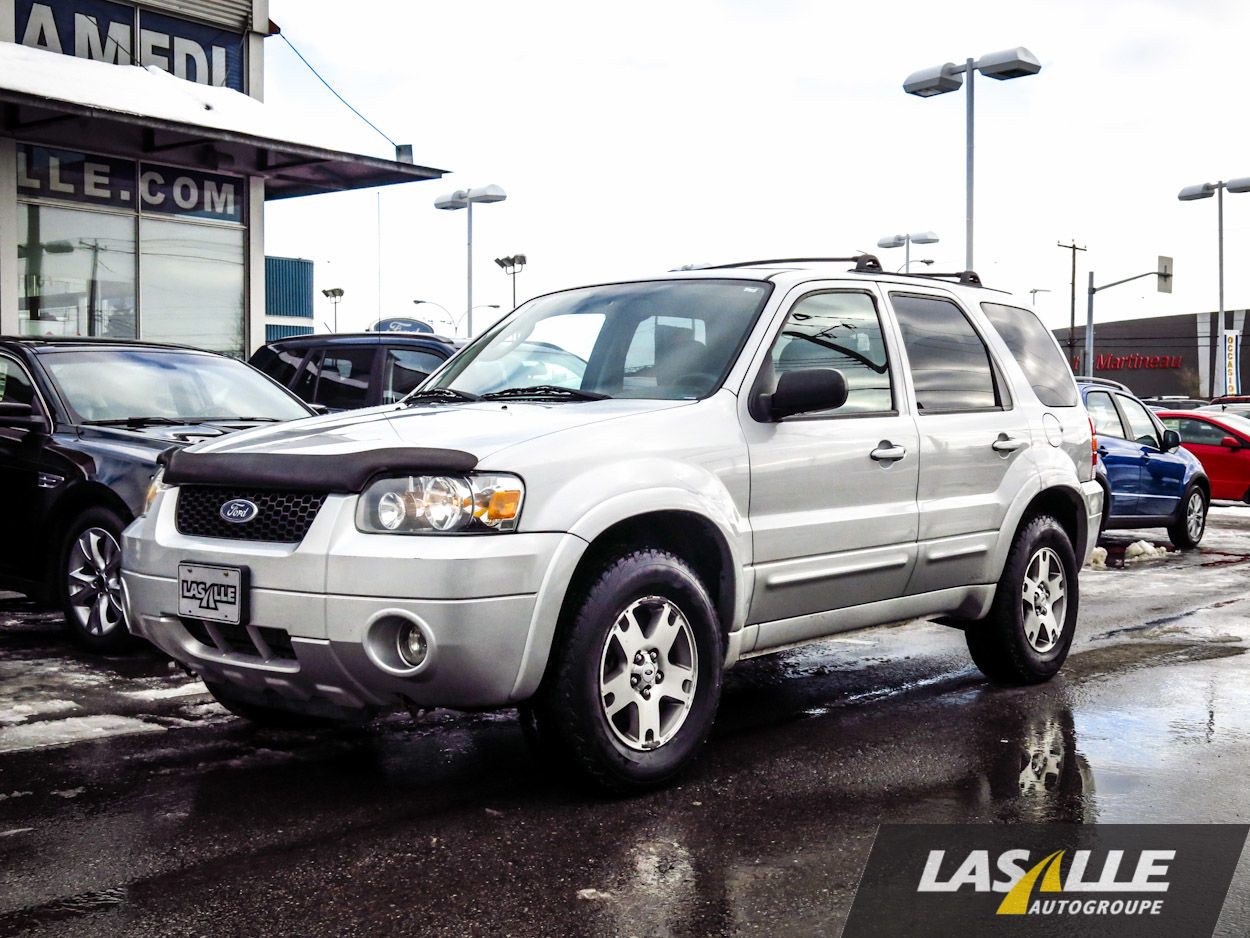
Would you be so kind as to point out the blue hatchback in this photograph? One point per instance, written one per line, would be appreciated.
(1148, 480)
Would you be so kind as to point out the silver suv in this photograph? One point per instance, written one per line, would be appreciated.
(619, 491)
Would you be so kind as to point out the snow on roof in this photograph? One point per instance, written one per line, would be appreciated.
(148, 92)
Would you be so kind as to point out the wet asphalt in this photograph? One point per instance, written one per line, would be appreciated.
(132, 805)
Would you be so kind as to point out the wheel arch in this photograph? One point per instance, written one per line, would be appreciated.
(77, 500)
(1063, 503)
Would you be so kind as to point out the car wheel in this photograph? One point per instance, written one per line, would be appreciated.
(89, 580)
(1026, 636)
(269, 717)
(635, 679)
(1191, 522)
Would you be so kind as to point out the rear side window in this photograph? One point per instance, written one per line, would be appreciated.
(14, 385)
(337, 377)
(950, 365)
(1034, 350)
(1106, 417)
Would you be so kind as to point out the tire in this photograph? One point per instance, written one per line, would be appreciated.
(645, 631)
(269, 717)
(1026, 636)
(88, 581)
(1191, 519)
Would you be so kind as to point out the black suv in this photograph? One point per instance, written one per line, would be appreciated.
(350, 370)
(81, 424)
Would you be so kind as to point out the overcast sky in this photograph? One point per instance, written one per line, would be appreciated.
(634, 138)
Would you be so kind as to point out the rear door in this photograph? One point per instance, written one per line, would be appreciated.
(833, 494)
(974, 441)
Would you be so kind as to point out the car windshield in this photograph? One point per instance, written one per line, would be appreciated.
(163, 386)
(666, 340)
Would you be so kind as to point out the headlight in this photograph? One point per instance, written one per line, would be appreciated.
(441, 504)
(155, 487)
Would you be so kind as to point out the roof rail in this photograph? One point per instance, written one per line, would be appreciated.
(1105, 382)
(966, 277)
(864, 263)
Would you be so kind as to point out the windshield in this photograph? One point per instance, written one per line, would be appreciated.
(666, 340)
(168, 385)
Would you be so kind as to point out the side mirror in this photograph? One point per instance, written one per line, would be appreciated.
(1231, 442)
(804, 391)
(1171, 440)
(21, 416)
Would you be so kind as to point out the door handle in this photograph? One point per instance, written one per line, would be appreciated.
(1009, 444)
(887, 452)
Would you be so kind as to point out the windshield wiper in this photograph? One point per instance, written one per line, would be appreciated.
(139, 422)
(438, 394)
(548, 390)
(233, 419)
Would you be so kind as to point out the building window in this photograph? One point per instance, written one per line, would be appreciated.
(192, 285)
(148, 251)
(77, 272)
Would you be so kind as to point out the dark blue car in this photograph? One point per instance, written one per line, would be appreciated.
(1148, 480)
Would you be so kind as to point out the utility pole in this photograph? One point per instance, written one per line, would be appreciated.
(1072, 318)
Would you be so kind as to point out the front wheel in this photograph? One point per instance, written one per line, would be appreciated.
(636, 676)
(1191, 523)
(89, 580)
(1026, 636)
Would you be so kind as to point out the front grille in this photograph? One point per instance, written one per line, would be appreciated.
(280, 516)
(255, 641)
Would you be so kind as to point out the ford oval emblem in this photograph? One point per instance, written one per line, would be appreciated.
(239, 511)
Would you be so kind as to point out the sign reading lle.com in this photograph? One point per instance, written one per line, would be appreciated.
(46, 173)
(120, 34)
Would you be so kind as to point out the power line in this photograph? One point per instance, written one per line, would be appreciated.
(335, 93)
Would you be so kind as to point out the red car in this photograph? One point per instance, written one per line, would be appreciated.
(1221, 441)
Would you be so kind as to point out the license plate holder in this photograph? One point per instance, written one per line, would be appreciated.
(213, 592)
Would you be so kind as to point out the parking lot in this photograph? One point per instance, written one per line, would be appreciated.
(132, 804)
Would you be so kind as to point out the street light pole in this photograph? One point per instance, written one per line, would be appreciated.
(1072, 317)
(464, 198)
(905, 241)
(1205, 191)
(334, 294)
(512, 266)
(1011, 63)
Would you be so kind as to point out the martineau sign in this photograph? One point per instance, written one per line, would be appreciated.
(1041, 880)
(1112, 362)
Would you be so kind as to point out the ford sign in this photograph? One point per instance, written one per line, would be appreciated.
(238, 511)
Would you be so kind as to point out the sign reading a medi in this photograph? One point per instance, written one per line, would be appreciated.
(46, 173)
(122, 35)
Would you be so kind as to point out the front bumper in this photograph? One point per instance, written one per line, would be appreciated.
(320, 634)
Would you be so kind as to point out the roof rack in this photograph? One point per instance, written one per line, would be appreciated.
(1105, 382)
(864, 264)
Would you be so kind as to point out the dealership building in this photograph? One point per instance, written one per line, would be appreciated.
(1165, 355)
(132, 198)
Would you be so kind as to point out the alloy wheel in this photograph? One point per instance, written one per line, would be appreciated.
(1045, 597)
(93, 582)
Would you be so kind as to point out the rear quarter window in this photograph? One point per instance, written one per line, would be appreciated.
(1034, 349)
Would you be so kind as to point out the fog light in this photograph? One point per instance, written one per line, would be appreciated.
(411, 644)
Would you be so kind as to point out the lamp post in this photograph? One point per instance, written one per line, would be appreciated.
(906, 241)
(334, 294)
(1205, 191)
(446, 312)
(464, 198)
(512, 266)
(1010, 63)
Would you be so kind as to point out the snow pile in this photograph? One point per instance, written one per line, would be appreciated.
(1098, 559)
(1143, 550)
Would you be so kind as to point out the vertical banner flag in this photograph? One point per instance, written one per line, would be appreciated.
(1232, 358)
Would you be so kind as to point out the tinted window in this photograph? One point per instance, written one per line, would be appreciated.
(1106, 418)
(840, 331)
(949, 363)
(1141, 428)
(403, 369)
(337, 378)
(1196, 431)
(280, 366)
(14, 384)
(1033, 348)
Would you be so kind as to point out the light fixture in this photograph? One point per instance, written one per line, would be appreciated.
(464, 198)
